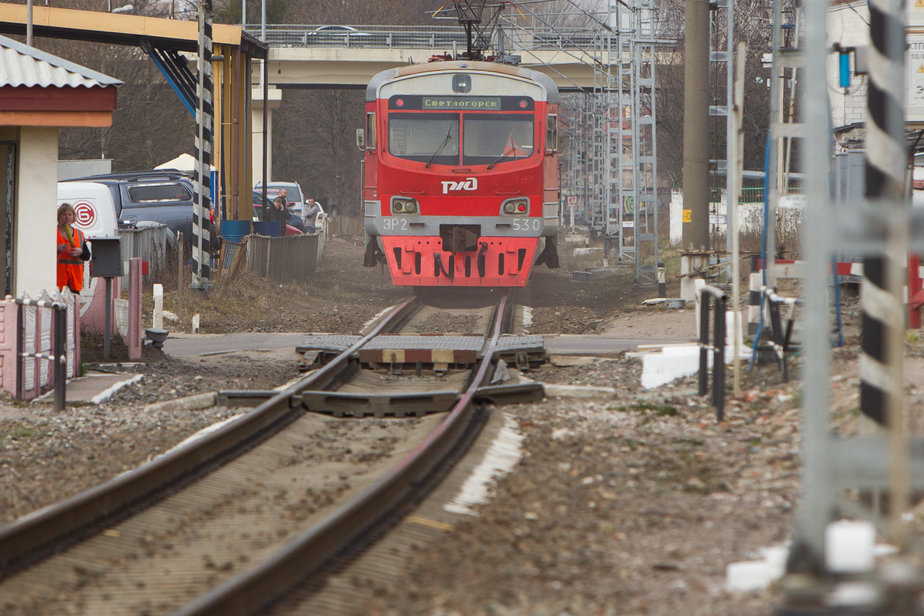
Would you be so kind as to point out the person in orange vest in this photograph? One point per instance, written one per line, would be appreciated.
(72, 250)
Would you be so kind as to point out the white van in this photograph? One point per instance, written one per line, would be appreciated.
(95, 210)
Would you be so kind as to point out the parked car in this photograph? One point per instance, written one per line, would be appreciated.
(336, 35)
(294, 193)
(164, 196)
(295, 219)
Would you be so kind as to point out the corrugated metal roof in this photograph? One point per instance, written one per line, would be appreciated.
(21, 65)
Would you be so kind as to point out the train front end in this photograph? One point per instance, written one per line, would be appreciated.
(461, 174)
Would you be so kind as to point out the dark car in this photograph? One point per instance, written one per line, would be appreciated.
(294, 219)
(164, 196)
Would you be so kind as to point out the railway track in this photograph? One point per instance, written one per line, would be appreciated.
(228, 523)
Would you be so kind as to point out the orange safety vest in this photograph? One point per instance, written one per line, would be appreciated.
(70, 269)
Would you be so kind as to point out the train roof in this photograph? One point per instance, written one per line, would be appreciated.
(462, 65)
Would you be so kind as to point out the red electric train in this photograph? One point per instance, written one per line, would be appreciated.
(460, 174)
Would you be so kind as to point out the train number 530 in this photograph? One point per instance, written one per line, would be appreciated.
(527, 224)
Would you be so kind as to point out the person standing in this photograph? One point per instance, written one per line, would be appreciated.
(72, 250)
(311, 215)
(285, 198)
(278, 213)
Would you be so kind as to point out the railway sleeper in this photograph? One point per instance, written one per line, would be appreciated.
(524, 359)
(415, 404)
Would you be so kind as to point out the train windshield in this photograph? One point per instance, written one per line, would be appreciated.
(494, 138)
(432, 138)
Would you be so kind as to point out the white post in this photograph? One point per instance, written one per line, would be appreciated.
(158, 320)
(754, 285)
(698, 284)
(736, 162)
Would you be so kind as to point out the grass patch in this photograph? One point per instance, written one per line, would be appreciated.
(17, 432)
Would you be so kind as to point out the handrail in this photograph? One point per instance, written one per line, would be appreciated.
(58, 354)
(425, 37)
(780, 337)
(720, 299)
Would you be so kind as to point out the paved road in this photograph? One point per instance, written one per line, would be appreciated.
(204, 345)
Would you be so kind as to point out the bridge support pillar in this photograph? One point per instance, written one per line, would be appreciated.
(274, 102)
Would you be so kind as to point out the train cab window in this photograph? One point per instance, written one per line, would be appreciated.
(551, 133)
(490, 139)
(432, 138)
(370, 131)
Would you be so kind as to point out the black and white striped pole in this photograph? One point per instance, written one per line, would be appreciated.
(886, 163)
(201, 250)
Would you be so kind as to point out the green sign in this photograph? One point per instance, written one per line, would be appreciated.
(462, 102)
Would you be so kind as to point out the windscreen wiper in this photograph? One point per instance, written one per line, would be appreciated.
(513, 148)
(440, 149)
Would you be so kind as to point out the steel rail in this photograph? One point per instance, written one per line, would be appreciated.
(251, 590)
(53, 524)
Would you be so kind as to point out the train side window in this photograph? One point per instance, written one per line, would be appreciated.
(370, 131)
(551, 134)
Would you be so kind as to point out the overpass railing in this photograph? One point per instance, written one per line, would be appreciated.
(418, 37)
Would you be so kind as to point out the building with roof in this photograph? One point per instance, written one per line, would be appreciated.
(39, 94)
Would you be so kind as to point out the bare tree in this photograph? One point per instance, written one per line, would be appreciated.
(313, 129)
(752, 25)
(150, 124)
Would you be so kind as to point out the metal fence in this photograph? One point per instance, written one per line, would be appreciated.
(148, 244)
(346, 225)
(284, 259)
(419, 37)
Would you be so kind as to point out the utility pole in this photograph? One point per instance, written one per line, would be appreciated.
(695, 142)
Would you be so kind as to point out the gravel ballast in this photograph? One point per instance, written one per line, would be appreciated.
(632, 501)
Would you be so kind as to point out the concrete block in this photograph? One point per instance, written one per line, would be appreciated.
(561, 361)
(586, 252)
(747, 576)
(189, 403)
(849, 546)
(577, 391)
(602, 272)
(671, 363)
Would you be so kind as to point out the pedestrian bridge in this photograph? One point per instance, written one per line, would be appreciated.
(348, 56)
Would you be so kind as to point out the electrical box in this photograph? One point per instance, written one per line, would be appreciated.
(106, 259)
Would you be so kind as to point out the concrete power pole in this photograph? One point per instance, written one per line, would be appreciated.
(695, 141)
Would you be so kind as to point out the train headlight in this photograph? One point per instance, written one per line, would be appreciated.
(515, 207)
(461, 83)
(403, 205)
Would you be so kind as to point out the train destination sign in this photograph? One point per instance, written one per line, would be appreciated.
(487, 103)
(418, 102)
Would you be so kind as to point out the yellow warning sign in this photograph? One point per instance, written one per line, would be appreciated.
(919, 4)
(921, 68)
(688, 216)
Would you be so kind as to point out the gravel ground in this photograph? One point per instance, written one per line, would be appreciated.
(628, 504)
(632, 504)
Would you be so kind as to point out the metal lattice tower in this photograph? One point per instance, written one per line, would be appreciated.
(611, 159)
(644, 146)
